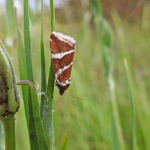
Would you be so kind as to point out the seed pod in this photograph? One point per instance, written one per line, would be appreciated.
(9, 96)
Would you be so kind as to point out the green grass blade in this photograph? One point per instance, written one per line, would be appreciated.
(52, 14)
(96, 8)
(48, 112)
(64, 142)
(23, 73)
(129, 84)
(37, 137)
(106, 39)
(27, 42)
(43, 69)
(10, 22)
(121, 36)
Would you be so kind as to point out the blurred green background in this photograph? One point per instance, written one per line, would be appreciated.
(128, 36)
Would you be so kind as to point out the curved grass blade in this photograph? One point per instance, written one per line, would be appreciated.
(43, 70)
(37, 137)
(64, 142)
(27, 42)
(129, 84)
(48, 111)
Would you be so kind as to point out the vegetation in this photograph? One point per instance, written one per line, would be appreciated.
(110, 71)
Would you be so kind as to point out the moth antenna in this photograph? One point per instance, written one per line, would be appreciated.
(75, 96)
(71, 100)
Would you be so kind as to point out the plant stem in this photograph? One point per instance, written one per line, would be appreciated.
(48, 102)
(9, 132)
(43, 68)
(48, 111)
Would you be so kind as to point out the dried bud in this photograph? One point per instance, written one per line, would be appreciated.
(9, 96)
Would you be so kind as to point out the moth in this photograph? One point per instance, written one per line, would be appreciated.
(62, 54)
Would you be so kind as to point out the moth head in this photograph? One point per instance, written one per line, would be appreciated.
(62, 89)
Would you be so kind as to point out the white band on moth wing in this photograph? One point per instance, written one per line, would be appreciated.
(62, 70)
(64, 38)
(61, 55)
(63, 83)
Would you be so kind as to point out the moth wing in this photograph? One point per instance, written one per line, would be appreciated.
(62, 54)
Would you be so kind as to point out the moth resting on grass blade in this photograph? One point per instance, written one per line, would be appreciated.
(62, 54)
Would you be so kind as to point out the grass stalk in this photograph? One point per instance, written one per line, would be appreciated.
(118, 142)
(27, 42)
(48, 103)
(36, 132)
(129, 84)
(43, 69)
(9, 132)
(106, 46)
(23, 72)
(10, 22)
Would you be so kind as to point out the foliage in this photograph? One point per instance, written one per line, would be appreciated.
(90, 122)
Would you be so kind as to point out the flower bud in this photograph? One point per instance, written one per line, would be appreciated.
(9, 96)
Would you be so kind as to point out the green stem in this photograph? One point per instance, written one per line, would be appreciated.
(9, 132)
(48, 111)
(43, 68)
(48, 102)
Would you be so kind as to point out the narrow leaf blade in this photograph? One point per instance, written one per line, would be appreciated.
(10, 22)
(43, 69)
(64, 142)
(48, 111)
(129, 84)
(37, 137)
(27, 42)
(23, 73)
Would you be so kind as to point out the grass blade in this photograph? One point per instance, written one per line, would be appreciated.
(48, 111)
(10, 22)
(65, 141)
(106, 45)
(27, 42)
(43, 69)
(23, 73)
(52, 14)
(132, 105)
(37, 137)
